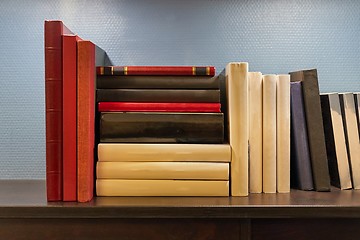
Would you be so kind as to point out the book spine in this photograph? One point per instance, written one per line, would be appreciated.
(85, 119)
(163, 170)
(237, 90)
(269, 133)
(157, 70)
(283, 133)
(155, 95)
(157, 107)
(255, 132)
(357, 109)
(161, 127)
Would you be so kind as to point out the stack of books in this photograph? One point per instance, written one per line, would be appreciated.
(160, 132)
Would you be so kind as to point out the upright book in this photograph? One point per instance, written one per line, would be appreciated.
(156, 70)
(335, 141)
(357, 110)
(53, 31)
(315, 127)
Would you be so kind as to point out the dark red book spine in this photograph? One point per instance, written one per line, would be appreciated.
(157, 107)
(157, 70)
(53, 107)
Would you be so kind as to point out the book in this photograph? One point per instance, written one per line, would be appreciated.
(351, 135)
(163, 170)
(300, 166)
(357, 109)
(113, 152)
(157, 70)
(269, 133)
(255, 132)
(69, 58)
(157, 107)
(119, 187)
(53, 30)
(283, 133)
(335, 141)
(315, 131)
(158, 82)
(158, 127)
(158, 95)
(236, 74)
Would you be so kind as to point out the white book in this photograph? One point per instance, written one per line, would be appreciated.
(283, 133)
(269, 133)
(351, 135)
(255, 132)
(237, 96)
(163, 170)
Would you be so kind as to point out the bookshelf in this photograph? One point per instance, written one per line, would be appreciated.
(298, 215)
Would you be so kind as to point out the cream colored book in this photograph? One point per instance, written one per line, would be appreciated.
(283, 133)
(238, 122)
(351, 135)
(163, 170)
(117, 187)
(269, 133)
(255, 132)
(139, 152)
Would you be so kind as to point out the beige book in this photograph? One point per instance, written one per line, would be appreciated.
(163, 170)
(351, 135)
(269, 133)
(117, 187)
(139, 152)
(283, 133)
(237, 97)
(255, 132)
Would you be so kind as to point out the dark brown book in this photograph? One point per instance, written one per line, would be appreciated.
(148, 127)
(158, 95)
(311, 97)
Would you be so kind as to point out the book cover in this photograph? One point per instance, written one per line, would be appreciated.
(158, 82)
(283, 133)
(301, 172)
(157, 70)
(255, 132)
(158, 127)
(351, 135)
(314, 122)
(163, 170)
(158, 95)
(269, 133)
(119, 187)
(238, 126)
(147, 152)
(335, 141)
(157, 107)
(53, 30)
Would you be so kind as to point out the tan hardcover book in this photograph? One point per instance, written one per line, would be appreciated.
(237, 96)
(139, 152)
(283, 133)
(117, 187)
(163, 170)
(255, 132)
(269, 133)
(351, 135)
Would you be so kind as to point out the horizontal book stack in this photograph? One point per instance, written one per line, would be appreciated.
(160, 132)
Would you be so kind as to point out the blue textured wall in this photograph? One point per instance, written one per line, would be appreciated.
(273, 36)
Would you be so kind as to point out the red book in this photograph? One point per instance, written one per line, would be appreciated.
(53, 30)
(85, 119)
(69, 117)
(157, 70)
(157, 107)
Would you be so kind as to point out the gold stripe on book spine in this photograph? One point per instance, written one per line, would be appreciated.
(193, 70)
(112, 70)
(125, 71)
(102, 70)
(207, 70)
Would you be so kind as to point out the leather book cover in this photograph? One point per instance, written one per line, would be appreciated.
(158, 95)
(157, 70)
(157, 127)
(312, 106)
(158, 82)
(53, 31)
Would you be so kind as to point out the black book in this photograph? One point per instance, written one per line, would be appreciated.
(159, 127)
